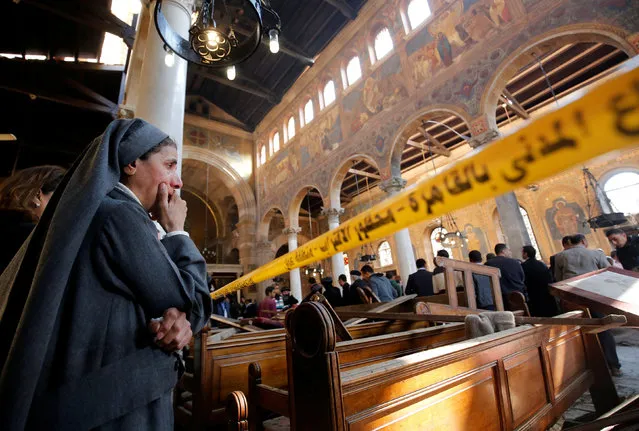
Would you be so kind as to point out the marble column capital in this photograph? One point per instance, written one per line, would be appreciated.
(333, 214)
(294, 230)
(484, 138)
(393, 184)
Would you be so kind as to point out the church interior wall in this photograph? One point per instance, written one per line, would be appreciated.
(453, 62)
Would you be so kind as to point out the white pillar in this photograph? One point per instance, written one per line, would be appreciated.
(162, 89)
(294, 274)
(337, 260)
(403, 243)
(265, 254)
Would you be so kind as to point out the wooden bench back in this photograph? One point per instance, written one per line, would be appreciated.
(526, 376)
(468, 269)
(224, 364)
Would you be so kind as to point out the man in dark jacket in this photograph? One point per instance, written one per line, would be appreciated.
(331, 293)
(346, 288)
(353, 296)
(627, 248)
(482, 283)
(420, 282)
(512, 274)
(537, 274)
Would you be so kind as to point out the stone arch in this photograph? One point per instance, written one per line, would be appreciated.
(338, 177)
(293, 213)
(265, 222)
(399, 141)
(588, 32)
(242, 192)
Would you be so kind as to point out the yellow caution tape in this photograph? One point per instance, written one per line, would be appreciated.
(601, 120)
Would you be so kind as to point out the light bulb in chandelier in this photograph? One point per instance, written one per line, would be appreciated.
(231, 73)
(274, 40)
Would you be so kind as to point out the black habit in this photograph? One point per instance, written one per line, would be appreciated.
(75, 302)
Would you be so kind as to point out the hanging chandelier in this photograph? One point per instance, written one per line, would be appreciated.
(224, 32)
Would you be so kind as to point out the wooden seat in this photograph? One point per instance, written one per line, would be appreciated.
(525, 377)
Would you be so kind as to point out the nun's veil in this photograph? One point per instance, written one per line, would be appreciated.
(33, 286)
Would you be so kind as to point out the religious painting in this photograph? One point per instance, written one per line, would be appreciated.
(383, 89)
(462, 24)
(283, 166)
(321, 137)
(566, 218)
(476, 238)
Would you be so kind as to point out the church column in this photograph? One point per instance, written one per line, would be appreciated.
(265, 254)
(403, 243)
(512, 222)
(245, 244)
(337, 260)
(161, 90)
(294, 274)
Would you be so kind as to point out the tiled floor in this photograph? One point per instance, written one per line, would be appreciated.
(627, 385)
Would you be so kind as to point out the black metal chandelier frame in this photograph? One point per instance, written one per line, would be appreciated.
(230, 51)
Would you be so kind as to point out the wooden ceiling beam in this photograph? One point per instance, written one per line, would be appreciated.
(96, 17)
(364, 174)
(343, 7)
(262, 92)
(70, 101)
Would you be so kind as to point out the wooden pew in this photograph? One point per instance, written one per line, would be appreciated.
(355, 353)
(468, 269)
(525, 377)
(224, 364)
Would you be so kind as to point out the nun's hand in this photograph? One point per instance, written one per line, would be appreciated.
(172, 210)
(173, 331)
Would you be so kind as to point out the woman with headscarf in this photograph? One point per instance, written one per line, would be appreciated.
(94, 304)
(23, 198)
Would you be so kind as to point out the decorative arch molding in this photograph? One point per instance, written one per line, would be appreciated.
(337, 179)
(265, 222)
(561, 36)
(295, 204)
(218, 216)
(240, 189)
(399, 141)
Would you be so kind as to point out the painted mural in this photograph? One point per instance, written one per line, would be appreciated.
(383, 89)
(475, 239)
(459, 26)
(320, 137)
(566, 218)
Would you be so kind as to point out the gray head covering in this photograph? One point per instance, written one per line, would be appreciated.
(33, 286)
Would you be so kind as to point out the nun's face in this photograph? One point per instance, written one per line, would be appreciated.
(159, 168)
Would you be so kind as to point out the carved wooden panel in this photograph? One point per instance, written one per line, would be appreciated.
(526, 384)
(567, 359)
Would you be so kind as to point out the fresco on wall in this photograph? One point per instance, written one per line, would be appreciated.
(320, 137)
(566, 218)
(283, 166)
(462, 24)
(383, 89)
(476, 238)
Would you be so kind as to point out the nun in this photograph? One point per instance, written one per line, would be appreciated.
(96, 303)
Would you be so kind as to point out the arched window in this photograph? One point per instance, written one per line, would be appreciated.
(308, 111)
(385, 255)
(276, 142)
(436, 237)
(270, 147)
(262, 155)
(531, 233)
(623, 191)
(329, 93)
(383, 43)
(290, 127)
(418, 11)
(353, 71)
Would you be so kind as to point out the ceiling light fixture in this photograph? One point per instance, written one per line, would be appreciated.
(224, 33)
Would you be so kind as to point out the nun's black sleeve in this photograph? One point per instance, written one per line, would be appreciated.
(156, 274)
